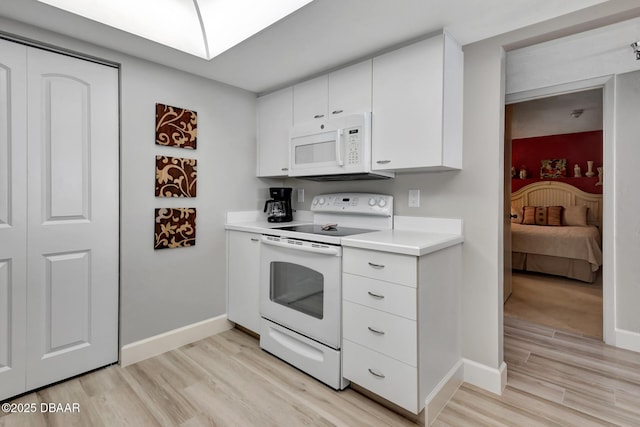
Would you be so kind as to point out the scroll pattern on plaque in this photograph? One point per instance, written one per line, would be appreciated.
(176, 127)
(176, 177)
(175, 228)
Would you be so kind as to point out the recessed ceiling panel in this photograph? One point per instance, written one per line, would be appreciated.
(173, 23)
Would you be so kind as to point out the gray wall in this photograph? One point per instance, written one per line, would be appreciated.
(165, 289)
(627, 205)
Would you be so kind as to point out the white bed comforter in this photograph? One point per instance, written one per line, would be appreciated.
(566, 242)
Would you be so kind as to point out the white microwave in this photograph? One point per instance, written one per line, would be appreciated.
(333, 149)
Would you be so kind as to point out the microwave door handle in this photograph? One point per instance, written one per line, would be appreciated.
(339, 160)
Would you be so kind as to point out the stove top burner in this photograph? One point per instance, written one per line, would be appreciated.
(332, 230)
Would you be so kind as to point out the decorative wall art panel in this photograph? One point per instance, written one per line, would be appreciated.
(556, 168)
(176, 127)
(175, 228)
(176, 177)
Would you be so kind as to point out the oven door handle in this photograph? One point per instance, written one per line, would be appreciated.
(328, 250)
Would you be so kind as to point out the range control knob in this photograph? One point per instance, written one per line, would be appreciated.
(315, 201)
(321, 201)
(372, 201)
(382, 203)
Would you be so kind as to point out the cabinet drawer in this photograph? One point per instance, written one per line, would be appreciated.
(389, 297)
(382, 375)
(385, 266)
(383, 332)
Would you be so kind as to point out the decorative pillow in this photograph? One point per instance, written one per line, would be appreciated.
(516, 215)
(575, 215)
(542, 215)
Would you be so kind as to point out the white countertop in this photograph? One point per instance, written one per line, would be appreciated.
(406, 242)
(412, 235)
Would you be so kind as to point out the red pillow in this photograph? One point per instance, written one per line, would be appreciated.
(542, 215)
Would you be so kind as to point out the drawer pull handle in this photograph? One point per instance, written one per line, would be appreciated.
(376, 265)
(253, 239)
(376, 373)
(375, 331)
(376, 295)
(383, 162)
(336, 111)
(317, 116)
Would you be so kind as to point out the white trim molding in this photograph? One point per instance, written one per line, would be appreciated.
(483, 376)
(628, 340)
(442, 393)
(170, 340)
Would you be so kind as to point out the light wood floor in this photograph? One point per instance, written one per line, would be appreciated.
(554, 378)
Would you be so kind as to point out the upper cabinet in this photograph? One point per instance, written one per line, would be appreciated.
(417, 107)
(345, 91)
(310, 99)
(275, 117)
(414, 93)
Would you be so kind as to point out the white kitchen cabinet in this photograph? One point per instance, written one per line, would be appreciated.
(417, 107)
(342, 92)
(310, 100)
(275, 117)
(350, 90)
(243, 279)
(401, 337)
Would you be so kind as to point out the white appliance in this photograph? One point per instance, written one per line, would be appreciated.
(334, 149)
(301, 281)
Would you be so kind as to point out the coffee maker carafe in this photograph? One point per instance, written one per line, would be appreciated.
(278, 209)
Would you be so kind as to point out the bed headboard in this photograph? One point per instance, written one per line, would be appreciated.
(555, 193)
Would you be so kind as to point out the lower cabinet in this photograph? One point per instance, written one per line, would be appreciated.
(401, 338)
(243, 279)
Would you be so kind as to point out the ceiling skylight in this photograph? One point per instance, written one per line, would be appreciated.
(203, 28)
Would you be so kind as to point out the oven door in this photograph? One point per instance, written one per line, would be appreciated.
(300, 287)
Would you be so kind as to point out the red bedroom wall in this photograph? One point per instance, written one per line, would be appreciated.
(575, 147)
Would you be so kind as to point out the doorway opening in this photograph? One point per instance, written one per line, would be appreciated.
(554, 156)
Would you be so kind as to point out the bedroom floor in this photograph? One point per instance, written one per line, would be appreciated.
(557, 302)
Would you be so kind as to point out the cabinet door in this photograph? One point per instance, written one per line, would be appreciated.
(73, 228)
(310, 100)
(407, 107)
(13, 218)
(243, 279)
(275, 116)
(350, 90)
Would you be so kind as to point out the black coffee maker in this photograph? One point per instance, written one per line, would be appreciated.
(278, 209)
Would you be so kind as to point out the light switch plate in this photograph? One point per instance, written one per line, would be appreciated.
(414, 198)
(300, 195)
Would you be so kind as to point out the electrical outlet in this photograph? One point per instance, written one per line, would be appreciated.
(300, 195)
(414, 198)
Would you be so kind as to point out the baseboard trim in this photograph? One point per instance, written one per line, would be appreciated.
(170, 340)
(483, 376)
(442, 393)
(628, 340)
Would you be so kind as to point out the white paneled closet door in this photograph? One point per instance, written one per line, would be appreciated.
(59, 217)
(13, 217)
(72, 284)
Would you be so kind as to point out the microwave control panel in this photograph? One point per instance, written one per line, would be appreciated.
(353, 145)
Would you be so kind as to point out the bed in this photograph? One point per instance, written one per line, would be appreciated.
(555, 229)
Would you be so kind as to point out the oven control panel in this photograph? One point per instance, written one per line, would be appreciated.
(354, 203)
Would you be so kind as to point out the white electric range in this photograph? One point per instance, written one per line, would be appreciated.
(301, 281)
